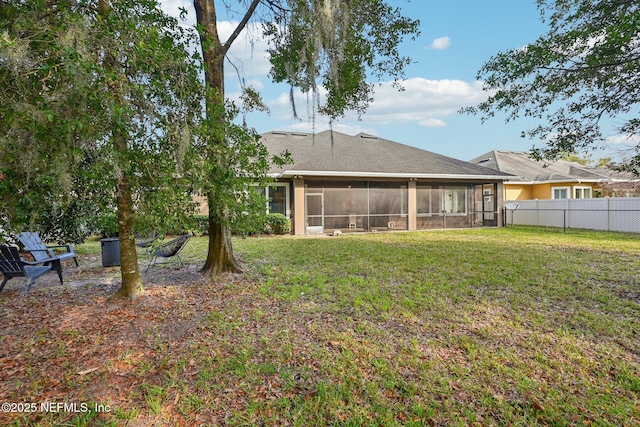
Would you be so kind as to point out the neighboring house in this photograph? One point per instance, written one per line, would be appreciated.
(365, 183)
(558, 180)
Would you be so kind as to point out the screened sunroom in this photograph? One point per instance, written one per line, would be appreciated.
(363, 183)
(355, 206)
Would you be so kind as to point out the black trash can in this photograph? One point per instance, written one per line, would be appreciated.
(110, 251)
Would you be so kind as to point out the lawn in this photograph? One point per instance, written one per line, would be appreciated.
(510, 326)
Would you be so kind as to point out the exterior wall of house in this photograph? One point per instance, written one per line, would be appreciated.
(203, 205)
(298, 210)
(518, 192)
(412, 207)
(544, 191)
(541, 191)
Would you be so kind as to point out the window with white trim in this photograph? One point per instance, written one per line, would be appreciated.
(559, 192)
(582, 192)
(277, 198)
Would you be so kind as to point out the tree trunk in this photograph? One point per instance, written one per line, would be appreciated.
(220, 253)
(129, 269)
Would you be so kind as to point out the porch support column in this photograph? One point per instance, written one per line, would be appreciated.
(500, 202)
(412, 198)
(298, 206)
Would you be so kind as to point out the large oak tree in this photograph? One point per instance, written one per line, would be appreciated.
(577, 80)
(314, 44)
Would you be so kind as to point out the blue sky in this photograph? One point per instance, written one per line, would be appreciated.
(457, 37)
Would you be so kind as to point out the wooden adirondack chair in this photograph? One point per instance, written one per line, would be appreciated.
(33, 244)
(12, 265)
(43, 254)
(169, 250)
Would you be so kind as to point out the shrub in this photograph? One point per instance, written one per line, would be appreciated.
(65, 223)
(202, 224)
(107, 225)
(277, 223)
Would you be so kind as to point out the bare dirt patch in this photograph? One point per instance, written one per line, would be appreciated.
(76, 343)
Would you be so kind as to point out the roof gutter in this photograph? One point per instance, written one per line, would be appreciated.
(557, 181)
(291, 173)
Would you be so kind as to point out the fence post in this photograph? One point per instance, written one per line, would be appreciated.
(564, 220)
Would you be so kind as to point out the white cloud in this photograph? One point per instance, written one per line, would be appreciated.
(440, 43)
(172, 8)
(432, 123)
(623, 139)
(423, 102)
(248, 54)
(251, 83)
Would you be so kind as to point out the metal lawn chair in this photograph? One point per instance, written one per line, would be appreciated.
(169, 249)
(12, 265)
(146, 240)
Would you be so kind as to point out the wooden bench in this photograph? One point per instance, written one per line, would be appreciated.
(12, 265)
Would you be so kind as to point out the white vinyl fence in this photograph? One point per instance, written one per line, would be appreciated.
(610, 214)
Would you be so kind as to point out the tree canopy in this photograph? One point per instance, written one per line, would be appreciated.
(102, 105)
(99, 103)
(339, 45)
(314, 44)
(579, 79)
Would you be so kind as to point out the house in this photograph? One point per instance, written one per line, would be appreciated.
(559, 180)
(365, 183)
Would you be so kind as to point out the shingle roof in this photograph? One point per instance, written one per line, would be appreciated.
(331, 153)
(528, 170)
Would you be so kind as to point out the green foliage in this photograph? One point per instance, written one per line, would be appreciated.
(572, 157)
(277, 223)
(70, 223)
(231, 167)
(313, 43)
(572, 78)
(45, 110)
(71, 84)
(337, 45)
(201, 224)
(106, 225)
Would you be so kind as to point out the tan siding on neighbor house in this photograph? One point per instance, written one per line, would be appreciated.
(543, 191)
(203, 206)
(518, 192)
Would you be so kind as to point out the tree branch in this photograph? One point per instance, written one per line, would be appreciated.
(578, 69)
(273, 5)
(241, 25)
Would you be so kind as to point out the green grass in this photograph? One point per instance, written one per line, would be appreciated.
(511, 326)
